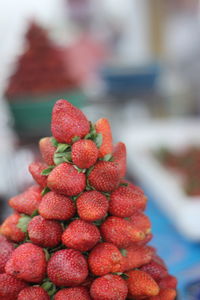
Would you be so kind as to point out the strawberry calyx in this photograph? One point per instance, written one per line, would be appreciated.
(49, 287)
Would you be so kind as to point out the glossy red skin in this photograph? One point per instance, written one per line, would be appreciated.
(56, 207)
(135, 257)
(33, 293)
(27, 263)
(66, 180)
(168, 282)
(109, 287)
(103, 126)
(141, 221)
(84, 153)
(120, 232)
(76, 293)
(10, 230)
(105, 176)
(141, 284)
(67, 268)
(156, 270)
(6, 249)
(28, 201)
(35, 168)
(92, 206)
(125, 201)
(165, 294)
(10, 287)
(47, 150)
(81, 235)
(67, 122)
(105, 258)
(45, 233)
(119, 154)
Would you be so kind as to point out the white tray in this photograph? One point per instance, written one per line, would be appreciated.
(141, 141)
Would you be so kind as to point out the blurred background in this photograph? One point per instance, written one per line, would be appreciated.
(136, 63)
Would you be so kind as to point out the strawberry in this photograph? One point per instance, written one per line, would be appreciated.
(168, 281)
(103, 126)
(125, 201)
(148, 238)
(28, 201)
(141, 221)
(47, 150)
(159, 260)
(105, 176)
(105, 258)
(81, 235)
(119, 155)
(165, 294)
(78, 293)
(135, 257)
(109, 287)
(65, 179)
(154, 269)
(67, 268)
(28, 263)
(35, 168)
(33, 293)
(56, 207)
(141, 284)
(44, 233)
(84, 153)
(10, 287)
(92, 206)
(10, 230)
(120, 232)
(68, 122)
(6, 249)
(132, 186)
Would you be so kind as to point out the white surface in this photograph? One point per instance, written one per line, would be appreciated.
(141, 140)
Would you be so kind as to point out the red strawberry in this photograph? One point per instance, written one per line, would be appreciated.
(81, 235)
(44, 233)
(103, 126)
(159, 260)
(77, 293)
(168, 282)
(132, 186)
(84, 153)
(120, 232)
(125, 201)
(92, 206)
(141, 284)
(66, 180)
(105, 176)
(67, 122)
(119, 154)
(47, 150)
(146, 240)
(56, 207)
(10, 287)
(109, 287)
(165, 294)
(6, 249)
(141, 221)
(105, 258)
(27, 263)
(135, 257)
(35, 169)
(154, 269)
(10, 230)
(67, 268)
(28, 201)
(33, 293)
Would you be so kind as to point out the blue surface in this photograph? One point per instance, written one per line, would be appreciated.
(181, 256)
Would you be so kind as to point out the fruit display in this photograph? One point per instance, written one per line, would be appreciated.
(41, 69)
(186, 164)
(80, 232)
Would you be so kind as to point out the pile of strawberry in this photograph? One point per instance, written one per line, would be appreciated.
(81, 232)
